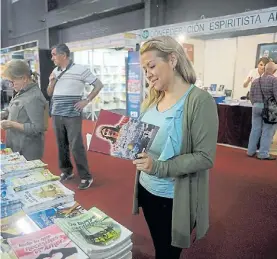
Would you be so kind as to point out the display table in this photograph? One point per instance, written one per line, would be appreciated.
(234, 124)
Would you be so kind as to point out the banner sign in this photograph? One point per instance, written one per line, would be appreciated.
(241, 21)
(127, 40)
(134, 84)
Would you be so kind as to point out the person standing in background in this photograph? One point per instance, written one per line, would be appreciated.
(261, 131)
(23, 119)
(66, 86)
(256, 73)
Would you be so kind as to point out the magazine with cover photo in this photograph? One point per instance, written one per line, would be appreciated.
(93, 227)
(120, 136)
(31, 178)
(13, 169)
(46, 218)
(50, 242)
(43, 194)
(16, 225)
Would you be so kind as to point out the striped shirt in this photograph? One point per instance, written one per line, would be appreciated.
(69, 90)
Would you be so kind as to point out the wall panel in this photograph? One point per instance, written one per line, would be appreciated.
(107, 26)
(219, 62)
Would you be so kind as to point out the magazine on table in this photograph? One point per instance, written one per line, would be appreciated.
(13, 158)
(98, 235)
(13, 169)
(43, 194)
(50, 242)
(10, 207)
(16, 225)
(93, 226)
(31, 178)
(46, 218)
(120, 136)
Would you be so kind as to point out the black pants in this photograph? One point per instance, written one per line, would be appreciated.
(158, 215)
(69, 134)
(2, 100)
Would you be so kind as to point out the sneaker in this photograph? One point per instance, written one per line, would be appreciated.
(65, 177)
(267, 158)
(85, 184)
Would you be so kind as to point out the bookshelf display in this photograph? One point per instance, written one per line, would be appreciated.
(109, 65)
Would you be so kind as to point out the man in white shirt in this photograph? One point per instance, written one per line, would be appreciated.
(66, 86)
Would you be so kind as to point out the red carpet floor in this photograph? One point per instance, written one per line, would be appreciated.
(243, 204)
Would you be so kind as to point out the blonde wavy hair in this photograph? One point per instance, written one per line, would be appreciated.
(164, 46)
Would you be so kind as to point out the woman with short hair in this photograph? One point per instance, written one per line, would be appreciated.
(24, 120)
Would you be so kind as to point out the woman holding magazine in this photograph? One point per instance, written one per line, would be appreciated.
(24, 119)
(172, 181)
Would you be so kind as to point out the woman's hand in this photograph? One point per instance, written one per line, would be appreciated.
(5, 124)
(144, 163)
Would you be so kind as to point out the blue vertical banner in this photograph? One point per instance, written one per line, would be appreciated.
(134, 85)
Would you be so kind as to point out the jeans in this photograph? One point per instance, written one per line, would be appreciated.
(262, 132)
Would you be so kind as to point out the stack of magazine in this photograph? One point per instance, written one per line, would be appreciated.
(14, 169)
(12, 158)
(50, 242)
(13, 226)
(98, 235)
(45, 196)
(30, 179)
(39, 215)
(10, 203)
(45, 218)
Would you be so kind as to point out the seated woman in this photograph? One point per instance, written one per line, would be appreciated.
(24, 120)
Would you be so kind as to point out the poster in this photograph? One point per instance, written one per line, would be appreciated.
(268, 50)
(134, 85)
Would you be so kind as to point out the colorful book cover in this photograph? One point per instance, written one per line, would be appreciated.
(31, 179)
(120, 136)
(21, 167)
(93, 227)
(10, 208)
(9, 201)
(44, 193)
(46, 218)
(16, 225)
(50, 242)
(13, 158)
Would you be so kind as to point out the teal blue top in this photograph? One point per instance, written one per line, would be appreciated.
(166, 144)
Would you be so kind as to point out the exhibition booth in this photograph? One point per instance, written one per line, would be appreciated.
(107, 57)
(223, 51)
(39, 61)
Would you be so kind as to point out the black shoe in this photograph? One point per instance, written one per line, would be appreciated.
(254, 155)
(268, 158)
(85, 184)
(65, 177)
